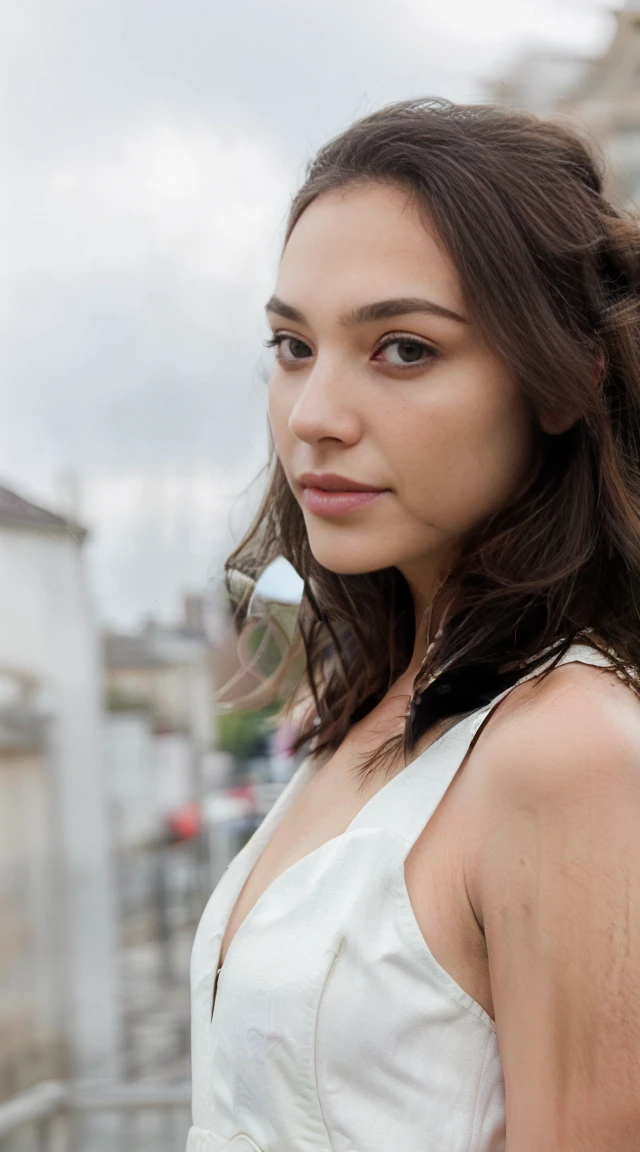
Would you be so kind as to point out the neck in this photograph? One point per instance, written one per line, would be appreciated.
(424, 580)
(428, 623)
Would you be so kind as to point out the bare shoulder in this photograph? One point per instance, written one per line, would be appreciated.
(574, 736)
(580, 720)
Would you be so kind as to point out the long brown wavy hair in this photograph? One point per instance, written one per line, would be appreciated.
(551, 274)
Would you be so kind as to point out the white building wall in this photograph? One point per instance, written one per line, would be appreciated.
(31, 1023)
(132, 682)
(131, 783)
(174, 772)
(47, 628)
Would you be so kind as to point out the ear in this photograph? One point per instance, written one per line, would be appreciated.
(557, 422)
(560, 421)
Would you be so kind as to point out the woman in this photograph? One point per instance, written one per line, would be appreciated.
(432, 944)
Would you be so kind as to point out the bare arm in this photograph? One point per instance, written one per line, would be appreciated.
(556, 883)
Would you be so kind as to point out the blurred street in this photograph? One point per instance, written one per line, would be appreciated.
(154, 984)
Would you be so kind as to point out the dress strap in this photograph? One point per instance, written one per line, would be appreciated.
(406, 803)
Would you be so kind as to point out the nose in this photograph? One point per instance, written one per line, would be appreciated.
(326, 406)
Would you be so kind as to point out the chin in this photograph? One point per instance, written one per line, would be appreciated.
(351, 561)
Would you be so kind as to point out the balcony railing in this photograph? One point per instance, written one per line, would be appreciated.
(60, 1116)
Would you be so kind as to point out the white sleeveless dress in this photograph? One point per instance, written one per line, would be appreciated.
(334, 1028)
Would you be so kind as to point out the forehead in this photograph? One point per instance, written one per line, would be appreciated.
(356, 244)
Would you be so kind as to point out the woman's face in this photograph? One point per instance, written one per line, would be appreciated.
(381, 377)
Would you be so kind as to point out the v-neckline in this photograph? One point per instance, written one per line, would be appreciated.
(303, 775)
(298, 782)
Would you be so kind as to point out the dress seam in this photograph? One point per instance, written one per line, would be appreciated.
(474, 1125)
(318, 1093)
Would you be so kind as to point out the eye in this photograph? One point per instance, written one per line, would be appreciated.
(289, 349)
(404, 352)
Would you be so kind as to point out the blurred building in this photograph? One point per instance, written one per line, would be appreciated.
(601, 95)
(59, 1009)
(160, 724)
(607, 101)
(159, 733)
(32, 1040)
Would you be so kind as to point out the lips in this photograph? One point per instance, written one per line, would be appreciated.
(325, 503)
(332, 482)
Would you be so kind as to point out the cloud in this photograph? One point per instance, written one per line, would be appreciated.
(135, 299)
(162, 193)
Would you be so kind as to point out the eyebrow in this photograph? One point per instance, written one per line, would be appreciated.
(380, 310)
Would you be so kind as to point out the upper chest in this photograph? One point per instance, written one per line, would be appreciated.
(434, 870)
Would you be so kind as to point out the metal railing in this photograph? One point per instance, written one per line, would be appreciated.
(58, 1116)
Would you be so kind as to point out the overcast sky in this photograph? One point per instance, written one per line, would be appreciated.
(149, 149)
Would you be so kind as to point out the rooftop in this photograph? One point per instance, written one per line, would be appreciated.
(16, 512)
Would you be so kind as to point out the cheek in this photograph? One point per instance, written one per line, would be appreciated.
(278, 414)
(457, 462)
